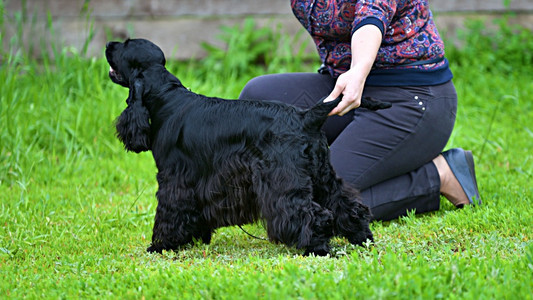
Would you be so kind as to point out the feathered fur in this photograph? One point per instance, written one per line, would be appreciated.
(232, 162)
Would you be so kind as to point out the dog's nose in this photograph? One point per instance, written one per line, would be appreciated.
(111, 44)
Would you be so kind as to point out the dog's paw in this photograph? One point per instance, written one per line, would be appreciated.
(319, 251)
(361, 239)
(155, 249)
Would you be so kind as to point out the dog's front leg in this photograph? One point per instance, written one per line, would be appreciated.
(176, 218)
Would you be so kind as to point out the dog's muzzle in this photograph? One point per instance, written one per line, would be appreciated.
(114, 75)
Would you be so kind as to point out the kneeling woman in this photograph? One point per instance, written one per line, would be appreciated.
(390, 51)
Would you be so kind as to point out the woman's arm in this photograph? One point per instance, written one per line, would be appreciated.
(365, 45)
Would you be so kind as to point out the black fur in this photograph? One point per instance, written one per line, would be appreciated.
(231, 162)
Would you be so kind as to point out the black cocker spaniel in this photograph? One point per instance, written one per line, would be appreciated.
(231, 162)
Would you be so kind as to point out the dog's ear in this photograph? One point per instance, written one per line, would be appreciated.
(133, 124)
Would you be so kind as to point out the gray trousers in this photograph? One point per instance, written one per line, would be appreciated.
(386, 154)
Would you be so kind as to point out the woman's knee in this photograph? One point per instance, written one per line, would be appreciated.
(257, 89)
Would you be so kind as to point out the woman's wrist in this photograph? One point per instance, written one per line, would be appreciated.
(362, 69)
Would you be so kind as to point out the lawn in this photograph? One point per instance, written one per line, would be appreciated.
(76, 210)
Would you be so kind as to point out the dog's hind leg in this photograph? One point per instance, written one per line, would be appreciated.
(351, 217)
(292, 217)
(321, 231)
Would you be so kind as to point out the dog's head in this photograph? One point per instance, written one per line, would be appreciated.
(127, 60)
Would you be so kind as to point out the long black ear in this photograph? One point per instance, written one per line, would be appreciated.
(133, 124)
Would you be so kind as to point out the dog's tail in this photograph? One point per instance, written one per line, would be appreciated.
(315, 117)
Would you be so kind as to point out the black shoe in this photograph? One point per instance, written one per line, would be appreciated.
(462, 164)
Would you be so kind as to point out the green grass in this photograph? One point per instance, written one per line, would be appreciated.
(76, 210)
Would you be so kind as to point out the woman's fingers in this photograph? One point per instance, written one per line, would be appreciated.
(350, 87)
(349, 101)
(337, 91)
(345, 106)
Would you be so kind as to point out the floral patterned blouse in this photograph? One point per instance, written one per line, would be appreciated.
(411, 52)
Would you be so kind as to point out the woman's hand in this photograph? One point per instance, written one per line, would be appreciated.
(365, 45)
(350, 85)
